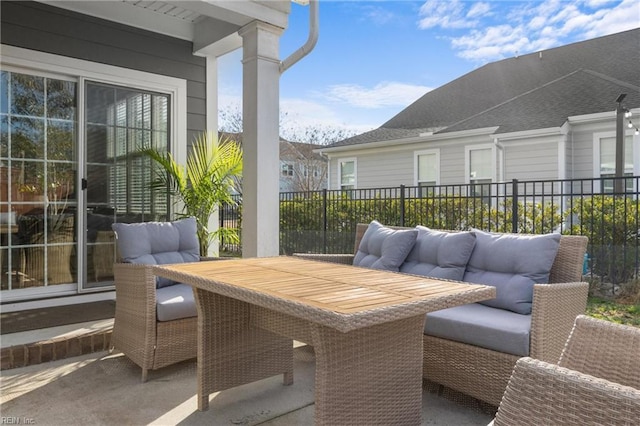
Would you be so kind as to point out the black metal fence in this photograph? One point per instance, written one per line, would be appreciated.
(325, 221)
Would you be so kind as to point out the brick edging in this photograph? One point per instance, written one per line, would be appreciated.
(54, 349)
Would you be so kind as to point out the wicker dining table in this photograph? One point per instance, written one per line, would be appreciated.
(365, 325)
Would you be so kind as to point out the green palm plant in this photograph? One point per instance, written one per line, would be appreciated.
(209, 178)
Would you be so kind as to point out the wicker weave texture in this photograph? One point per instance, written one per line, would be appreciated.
(370, 376)
(472, 370)
(596, 381)
(231, 351)
(540, 393)
(136, 331)
(604, 349)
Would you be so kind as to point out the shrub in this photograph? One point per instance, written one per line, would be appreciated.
(613, 227)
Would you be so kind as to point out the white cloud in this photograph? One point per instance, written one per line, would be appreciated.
(531, 25)
(385, 94)
(299, 114)
(492, 42)
(443, 13)
(479, 9)
(620, 18)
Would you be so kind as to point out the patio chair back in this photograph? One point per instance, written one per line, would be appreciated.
(604, 349)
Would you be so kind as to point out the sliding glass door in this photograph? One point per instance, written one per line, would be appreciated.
(69, 169)
(119, 122)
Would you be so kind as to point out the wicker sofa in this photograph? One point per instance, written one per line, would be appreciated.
(483, 372)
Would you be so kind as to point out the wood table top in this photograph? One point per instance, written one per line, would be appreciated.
(342, 292)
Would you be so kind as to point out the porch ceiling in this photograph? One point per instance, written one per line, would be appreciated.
(211, 25)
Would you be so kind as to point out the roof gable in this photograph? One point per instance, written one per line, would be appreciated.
(533, 91)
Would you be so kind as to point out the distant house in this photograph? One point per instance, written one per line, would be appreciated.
(545, 115)
(301, 168)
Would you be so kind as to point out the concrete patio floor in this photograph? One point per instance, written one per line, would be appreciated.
(105, 389)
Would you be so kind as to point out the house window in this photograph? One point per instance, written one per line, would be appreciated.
(427, 170)
(607, 162)
(347, 169)
(287, 170)
(480, 171)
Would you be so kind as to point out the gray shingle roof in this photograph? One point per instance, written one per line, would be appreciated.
(534, 91)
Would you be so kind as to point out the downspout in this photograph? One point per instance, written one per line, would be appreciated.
(311, 40)
(500, 148)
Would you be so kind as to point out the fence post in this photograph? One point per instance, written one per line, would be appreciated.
(402, 205)
(514, 206)
(324, 224)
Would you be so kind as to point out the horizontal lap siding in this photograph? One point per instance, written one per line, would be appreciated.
(41, 27)
(452, 164)
(582, 136)
(531, 162)
(582, 155)
(385, 169)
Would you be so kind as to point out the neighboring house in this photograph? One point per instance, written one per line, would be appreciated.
(83, 85)
(545, 115)
(301, 167)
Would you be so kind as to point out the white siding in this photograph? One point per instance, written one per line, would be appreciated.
(392, 167)
(582, 147)
(452, 164)
(531, 162)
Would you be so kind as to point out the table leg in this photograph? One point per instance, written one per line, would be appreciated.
(370, 376)
(231, 351)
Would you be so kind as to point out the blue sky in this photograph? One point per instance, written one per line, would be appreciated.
(374, 58)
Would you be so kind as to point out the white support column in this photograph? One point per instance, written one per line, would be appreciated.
(260, 140)
(212, 126)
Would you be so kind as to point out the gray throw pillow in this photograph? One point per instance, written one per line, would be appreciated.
(384, 248)
(440, 254)
(158, 243)
(512, 263)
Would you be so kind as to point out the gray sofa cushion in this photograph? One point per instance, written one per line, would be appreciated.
(512, 263)
(484, 326)
(439, 254)
(175, 302)
(384, 248)
(158, 243)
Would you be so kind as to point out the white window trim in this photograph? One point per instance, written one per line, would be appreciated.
(355, 171)
(597, 137)
(416, 155)
(467, 162)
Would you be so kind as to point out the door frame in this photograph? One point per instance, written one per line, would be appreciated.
(40, 62)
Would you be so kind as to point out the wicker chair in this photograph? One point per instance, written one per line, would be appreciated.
(483, 373)
(137, 331)
(596, 381)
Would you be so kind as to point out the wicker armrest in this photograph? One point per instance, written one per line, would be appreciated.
(346, 259)
(541, 393)
(135, 284)
(135, 302)
(555, 307)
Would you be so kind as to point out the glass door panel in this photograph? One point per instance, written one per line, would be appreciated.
(120, 122)
(38, 204)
